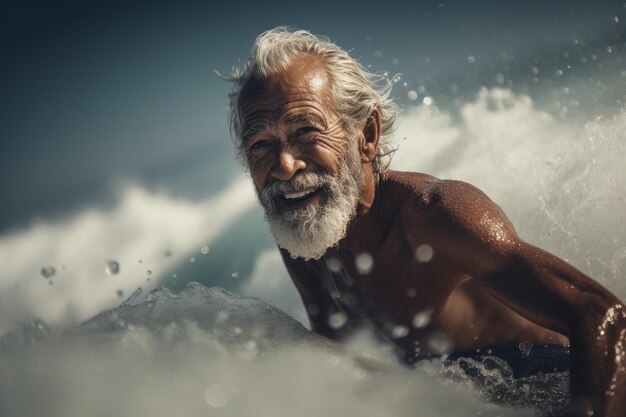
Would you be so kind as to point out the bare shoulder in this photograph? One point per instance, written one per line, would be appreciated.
(413, 187)
(450, 207)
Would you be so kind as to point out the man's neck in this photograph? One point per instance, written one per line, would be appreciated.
(368, 194)
(363, 226)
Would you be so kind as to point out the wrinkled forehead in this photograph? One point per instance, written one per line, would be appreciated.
(304, 80)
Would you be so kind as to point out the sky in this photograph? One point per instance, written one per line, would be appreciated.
(114, 142)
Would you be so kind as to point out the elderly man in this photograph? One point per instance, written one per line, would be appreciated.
(434, 266)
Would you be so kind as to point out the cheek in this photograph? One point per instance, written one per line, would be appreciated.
(259, 170)
(329, 152)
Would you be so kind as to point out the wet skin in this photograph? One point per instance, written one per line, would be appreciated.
(482, 287)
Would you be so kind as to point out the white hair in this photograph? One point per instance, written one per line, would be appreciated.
(355, 91)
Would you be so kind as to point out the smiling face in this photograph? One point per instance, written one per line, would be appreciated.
(307, 173)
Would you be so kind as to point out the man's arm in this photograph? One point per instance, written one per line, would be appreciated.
(474, 234)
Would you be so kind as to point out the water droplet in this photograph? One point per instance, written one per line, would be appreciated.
(174, 276)
(217, 395)
(119, 293)
(424, 253)
(471, 59)
(364, 263)
(192, 259)
(168, 253)
(616, 19)
(149, 272)
(112, 267)
(427, 101)
(48, 271)
(395, 61)
(412, 94)
(411, 292)
(337, 320)
(313, 309)
(378, 54)
(422, 318)
(440, 343)
(51, 283)
(399, 331)
(534, 70)
(525, 348)
(140, 261)
(235, 275)
(333, 264)
(204, 250)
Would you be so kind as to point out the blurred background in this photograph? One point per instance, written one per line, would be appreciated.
(117, 171)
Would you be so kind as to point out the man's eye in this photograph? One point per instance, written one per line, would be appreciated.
(304, 130)
(260, 144)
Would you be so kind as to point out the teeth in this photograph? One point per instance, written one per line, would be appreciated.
(290, 196)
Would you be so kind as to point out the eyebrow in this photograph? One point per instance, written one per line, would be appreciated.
(305, 117)
(291, 119)
(249, 132)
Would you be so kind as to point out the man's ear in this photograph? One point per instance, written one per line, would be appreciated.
(369, 138)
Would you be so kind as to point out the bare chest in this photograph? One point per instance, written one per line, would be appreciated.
(393, 289)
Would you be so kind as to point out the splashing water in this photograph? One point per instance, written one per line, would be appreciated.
(546, 171)
(161, 363)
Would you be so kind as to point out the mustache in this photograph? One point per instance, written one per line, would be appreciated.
(297, 183)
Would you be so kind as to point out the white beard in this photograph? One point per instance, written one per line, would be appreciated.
(310, 231)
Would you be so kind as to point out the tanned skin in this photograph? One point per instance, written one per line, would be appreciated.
(480, 284)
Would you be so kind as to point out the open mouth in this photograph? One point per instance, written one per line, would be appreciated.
(300, 198)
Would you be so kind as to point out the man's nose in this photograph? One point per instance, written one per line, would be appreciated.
(287, 164)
